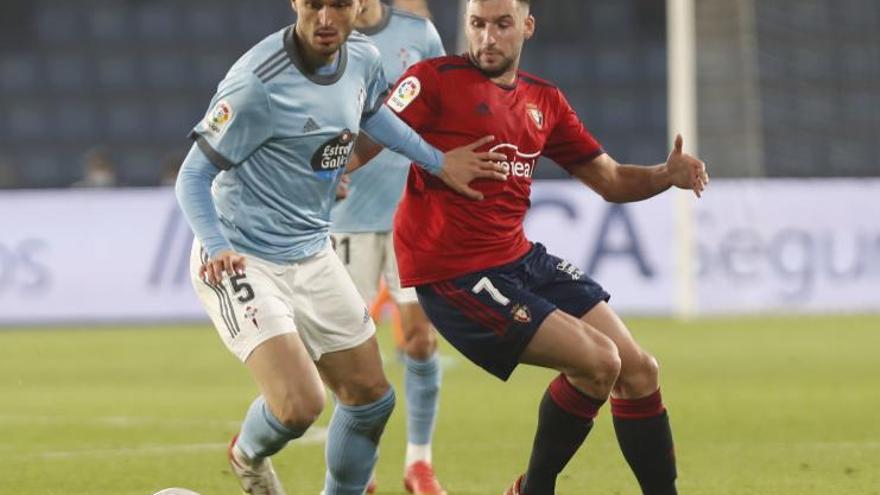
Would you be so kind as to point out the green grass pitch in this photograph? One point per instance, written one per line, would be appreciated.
(763, 406)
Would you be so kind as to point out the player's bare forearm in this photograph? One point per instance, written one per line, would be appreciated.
(626, 183)
(638, 182)
(365, 149)
(623, 183)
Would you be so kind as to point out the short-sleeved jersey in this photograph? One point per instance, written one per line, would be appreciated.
(403, 39)
(438, 234)
(282, 136)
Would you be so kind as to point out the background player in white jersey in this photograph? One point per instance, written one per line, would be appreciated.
(279, 133)
(362, 235)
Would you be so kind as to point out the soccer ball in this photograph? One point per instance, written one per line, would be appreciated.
(175, 491)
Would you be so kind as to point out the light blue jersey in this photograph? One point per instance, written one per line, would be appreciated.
(403, 39)
(283, 137)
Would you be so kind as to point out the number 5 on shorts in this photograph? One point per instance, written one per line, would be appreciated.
(494, 293)
(238, 286)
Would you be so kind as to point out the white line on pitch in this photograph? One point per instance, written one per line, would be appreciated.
(315, 435)
(119, 421)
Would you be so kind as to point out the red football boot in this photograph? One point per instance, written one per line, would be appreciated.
(420, 480)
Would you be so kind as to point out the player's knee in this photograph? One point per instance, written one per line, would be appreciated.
(303, 409)
(420, 341)
(372, 391)
(363, 390)
(651, 368)
(597, 371)
(640, 378)
(604, 365)
(608, 364)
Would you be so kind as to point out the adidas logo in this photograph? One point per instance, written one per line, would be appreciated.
(311, 125)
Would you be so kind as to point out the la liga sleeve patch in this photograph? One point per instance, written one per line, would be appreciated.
(405, 93)
(219, 116)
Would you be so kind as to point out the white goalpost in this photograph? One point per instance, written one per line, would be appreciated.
(682, 119)
(461, 41)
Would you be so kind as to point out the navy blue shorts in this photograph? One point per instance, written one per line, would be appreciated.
(491, 315)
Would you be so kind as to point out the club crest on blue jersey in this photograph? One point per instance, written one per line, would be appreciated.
(362, 100)
(333, 155)
(405, 58)
(250, 313)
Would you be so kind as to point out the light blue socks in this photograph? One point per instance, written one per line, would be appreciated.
(422, 382)
(353, 444)
(262, 434)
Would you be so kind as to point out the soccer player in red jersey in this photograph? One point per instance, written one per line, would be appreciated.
(501, 299)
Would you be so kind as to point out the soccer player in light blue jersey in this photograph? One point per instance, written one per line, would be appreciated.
(419, 7)
(257, 187)
(362, 235)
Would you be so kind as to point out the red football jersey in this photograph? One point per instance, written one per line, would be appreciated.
(439, 234)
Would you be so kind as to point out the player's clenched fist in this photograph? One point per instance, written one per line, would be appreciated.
(464, 164)
(225, 261)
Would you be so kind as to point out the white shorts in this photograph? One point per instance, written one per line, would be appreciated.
(313, 297)
(369, 256)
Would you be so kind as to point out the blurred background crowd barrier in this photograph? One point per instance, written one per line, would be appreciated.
(122, 255)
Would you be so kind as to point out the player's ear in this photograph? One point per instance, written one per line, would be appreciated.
(293, 5)
(530, 26)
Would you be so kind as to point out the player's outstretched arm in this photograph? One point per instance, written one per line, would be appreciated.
(626, 183)
(464, 164)
(193, 190)
(457, 167)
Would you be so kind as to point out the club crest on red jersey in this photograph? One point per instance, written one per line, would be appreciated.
(536, 114)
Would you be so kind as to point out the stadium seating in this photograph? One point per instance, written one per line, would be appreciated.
(134, 76)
